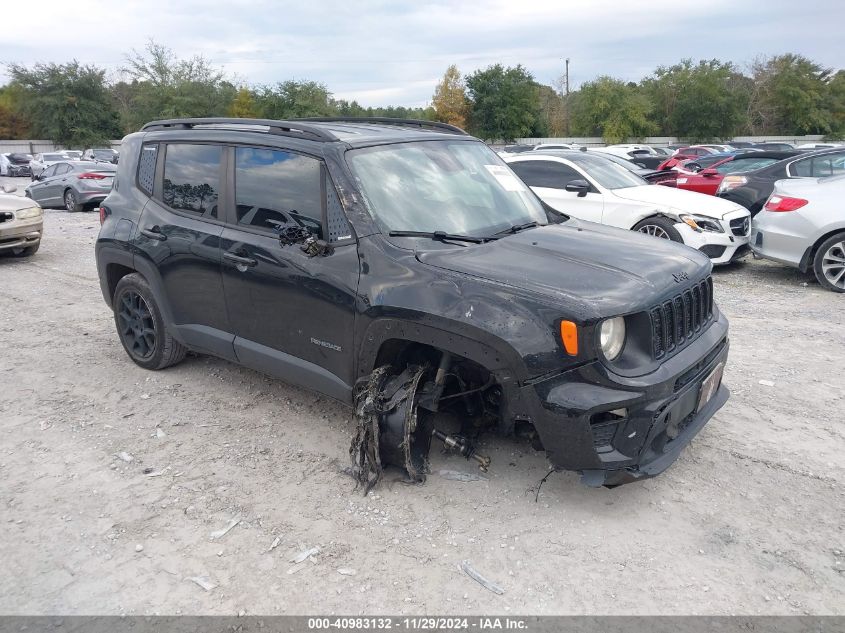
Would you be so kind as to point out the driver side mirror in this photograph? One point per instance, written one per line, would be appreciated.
(581, 187)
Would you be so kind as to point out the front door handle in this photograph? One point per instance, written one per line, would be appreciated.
(239, 260)
(154, 233)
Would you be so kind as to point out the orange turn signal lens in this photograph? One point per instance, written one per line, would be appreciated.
(569, 335)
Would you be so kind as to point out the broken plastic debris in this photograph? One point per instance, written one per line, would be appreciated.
(275, 544)
(159, 433)
(457, 475)
(305, 554)
(203, 581)
(767, 383)
(346, 571)
(469, 570)
(159, 473)
(125, 456)
(217, 534)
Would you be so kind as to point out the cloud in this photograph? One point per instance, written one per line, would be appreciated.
(392, 53)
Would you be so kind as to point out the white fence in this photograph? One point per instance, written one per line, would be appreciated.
(668, 140)
(36, 147)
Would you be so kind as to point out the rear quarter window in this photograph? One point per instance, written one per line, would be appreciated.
(147, 168)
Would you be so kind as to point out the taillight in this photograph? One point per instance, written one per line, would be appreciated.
(784, 203)
(91, 176)
(104, 213)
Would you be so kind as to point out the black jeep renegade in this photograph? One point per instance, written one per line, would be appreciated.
(400, 266)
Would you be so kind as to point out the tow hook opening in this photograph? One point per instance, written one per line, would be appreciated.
(395, 415)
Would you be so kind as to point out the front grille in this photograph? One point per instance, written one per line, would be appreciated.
(677, 321)
(6, 216)
(741, 226)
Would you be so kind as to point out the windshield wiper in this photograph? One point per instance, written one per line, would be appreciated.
(443, 236)
(516, 228)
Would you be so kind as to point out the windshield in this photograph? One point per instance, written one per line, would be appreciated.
(103, 153)
(609, 175)
(740, 165)
(457, 187)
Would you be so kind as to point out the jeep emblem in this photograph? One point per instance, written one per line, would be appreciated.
(679, 277)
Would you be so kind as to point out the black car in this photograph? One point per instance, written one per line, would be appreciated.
(402, 268)
(751, 189)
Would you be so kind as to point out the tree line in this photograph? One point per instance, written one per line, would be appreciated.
(80, 105)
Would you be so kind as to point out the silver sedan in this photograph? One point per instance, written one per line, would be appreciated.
(73, 185)
(802, 224)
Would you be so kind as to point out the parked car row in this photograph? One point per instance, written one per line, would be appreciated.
(17, 164)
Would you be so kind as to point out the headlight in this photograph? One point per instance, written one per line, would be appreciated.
(25, 214)
(700, 223)
(612, 337)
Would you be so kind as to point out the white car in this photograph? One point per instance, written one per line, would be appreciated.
(42, 161)
(802, 225)
(14, 164)
(627, 150)
(814, 146)
(548, 146)
(591, 187)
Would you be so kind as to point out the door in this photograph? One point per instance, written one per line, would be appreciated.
(44, 189)
(293, 313)
(179, 233)
(548, 179)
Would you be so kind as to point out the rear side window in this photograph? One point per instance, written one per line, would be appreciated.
(820, 166)
(545, 173)
(147, 168)
(192, 178)
(274, 188)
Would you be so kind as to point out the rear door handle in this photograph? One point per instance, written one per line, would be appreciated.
(239, 260)
(154, 233)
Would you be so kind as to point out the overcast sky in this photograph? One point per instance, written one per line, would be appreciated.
(393, 53)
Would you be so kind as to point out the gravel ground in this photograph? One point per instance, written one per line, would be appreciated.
(748, 521)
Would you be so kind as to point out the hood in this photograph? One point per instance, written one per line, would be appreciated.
(598, 271)
(11, 202)
(678, 200)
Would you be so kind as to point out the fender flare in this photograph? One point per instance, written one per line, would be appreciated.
(493, 354)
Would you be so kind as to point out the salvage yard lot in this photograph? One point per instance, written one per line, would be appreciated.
(749, 520)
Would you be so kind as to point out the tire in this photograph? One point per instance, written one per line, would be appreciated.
(659, 227)
(829, 263)
(141, 327)
(70, 202)
(26, 252)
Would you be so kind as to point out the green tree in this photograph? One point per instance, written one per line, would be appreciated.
(163, 86)
(13, 123)
(836, 105)
(504, 103)
(243, 105)
(699, 102)
(291, 99)
(552, 115)
(792, 96)
(450, 99)
(612, 109)
(67, 103)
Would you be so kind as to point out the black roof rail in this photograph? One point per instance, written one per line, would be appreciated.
(282, 128)
(383, 120)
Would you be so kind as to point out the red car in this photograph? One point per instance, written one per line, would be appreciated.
(707, 180)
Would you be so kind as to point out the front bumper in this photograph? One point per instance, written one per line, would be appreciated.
(20, 233)
(17, 171)
(615, 429)
(721, 248)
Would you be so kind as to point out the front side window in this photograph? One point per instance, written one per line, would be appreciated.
(545, 173)
(458, 187)
(609, 175)
(192, 178)
(50, 171)
(275, 189)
